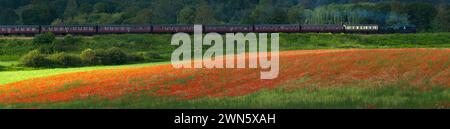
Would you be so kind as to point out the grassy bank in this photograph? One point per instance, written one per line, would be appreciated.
(380, 96)
(14, 76)
(12, 49)
(394, 78)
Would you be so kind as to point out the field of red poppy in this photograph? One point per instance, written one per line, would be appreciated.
(382, 78)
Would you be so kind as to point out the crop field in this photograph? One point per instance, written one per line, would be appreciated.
(351, 78)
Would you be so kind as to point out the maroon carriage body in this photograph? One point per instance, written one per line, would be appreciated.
(228, 28)
(61, 30)
(19, 29)
(173, 28)
(290, 28)
(121, 29)
(322, 28)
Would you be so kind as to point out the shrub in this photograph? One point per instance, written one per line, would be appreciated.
(45, 38)
(58, 46)
(66, 60)
(89, 57)
(116, 55)
(46, 49)
(34, 59)
(135, 57)
(69, 40)
(67, 44)
(102, 57)
(153, 56)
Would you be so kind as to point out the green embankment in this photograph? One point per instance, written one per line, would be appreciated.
(13, 48)
(396, 95)
(14, 76)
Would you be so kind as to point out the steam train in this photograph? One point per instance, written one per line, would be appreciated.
(160, 29)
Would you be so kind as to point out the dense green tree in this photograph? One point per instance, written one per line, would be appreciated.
(277, 16)
(261, 13)
(100, 7)
(85, 8)
(37, 14)
(166, 11)
(8, 16)
(145, 16)
(186, 16)
(294, 14)
(421, 14)
(442, 20)
(204, 14)
(71, 9)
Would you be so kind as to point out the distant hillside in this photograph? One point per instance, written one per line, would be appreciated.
(428, 15)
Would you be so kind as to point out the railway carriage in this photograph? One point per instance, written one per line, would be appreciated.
(122, 29)
(228, 28)
(173, 28)
(19, 30)
(322, 28)
(288, 28)
(160, 29)
(61, 30)
(362, 28)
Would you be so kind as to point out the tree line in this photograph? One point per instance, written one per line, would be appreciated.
(427, 15)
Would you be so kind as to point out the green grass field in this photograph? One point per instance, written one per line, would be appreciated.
(385, 95)
(388, 96)
(12, 49)
(14, 76)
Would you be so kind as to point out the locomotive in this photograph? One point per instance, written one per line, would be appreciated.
(159, 29)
